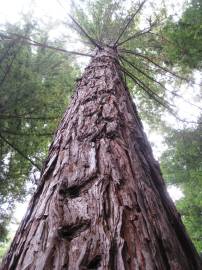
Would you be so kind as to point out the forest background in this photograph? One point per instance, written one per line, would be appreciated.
(38, 75)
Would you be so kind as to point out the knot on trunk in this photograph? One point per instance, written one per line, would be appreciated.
(71, 192)
(94, 263)
(71, 231)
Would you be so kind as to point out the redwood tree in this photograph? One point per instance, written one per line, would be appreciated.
(101, 202)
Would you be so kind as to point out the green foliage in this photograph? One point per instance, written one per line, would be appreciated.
(5, 243)
(139, 43)
(142, 44)
(184, 44)
(181, 163)
(3, 248)
(104, 19)
(182, 166)
(35, 86)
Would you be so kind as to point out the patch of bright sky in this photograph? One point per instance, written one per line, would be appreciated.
(56, 11)
(12, 10)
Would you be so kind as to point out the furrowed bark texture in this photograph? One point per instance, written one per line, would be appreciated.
(101, 203)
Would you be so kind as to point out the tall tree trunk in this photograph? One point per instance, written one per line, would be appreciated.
(101, 202)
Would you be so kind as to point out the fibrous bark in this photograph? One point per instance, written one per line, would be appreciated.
(101, 202)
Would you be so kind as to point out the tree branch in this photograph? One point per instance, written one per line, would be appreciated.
(159, 83)
(7, 51)
(159, 66)
(25, 134)
(129, 22)
(20, 152)
(156, 97)
(137, 34)
(85, 33)
(163, 102)
(6, 116)
(125, 81)
(8, 67)
(38, 44)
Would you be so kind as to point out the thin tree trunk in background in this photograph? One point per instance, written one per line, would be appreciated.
(102, 202)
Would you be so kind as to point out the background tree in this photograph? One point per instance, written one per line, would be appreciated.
(181, 165)
(185, 37)
(33, 83)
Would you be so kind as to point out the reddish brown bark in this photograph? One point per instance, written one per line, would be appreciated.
(102, 202)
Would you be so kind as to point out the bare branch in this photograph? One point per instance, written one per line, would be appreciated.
(159, 66)
(85, 33)
(20, 152)
(159, 83)
(80, 27)
(129, 22)
(43, 45)
(7, 116)
(155, 97)
(26, 134)
(164, 103)
(142, 86)
(137, 34)
(125, 81)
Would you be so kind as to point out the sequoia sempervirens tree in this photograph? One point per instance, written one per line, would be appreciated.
(101, 202)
